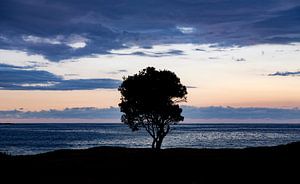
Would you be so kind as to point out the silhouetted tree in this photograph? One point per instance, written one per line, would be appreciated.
(149, 100)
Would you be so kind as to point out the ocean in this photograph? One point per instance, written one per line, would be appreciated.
(24, 139)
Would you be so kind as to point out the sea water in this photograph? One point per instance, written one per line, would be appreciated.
(35, 138)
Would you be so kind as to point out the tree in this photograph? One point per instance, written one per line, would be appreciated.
(150, 100)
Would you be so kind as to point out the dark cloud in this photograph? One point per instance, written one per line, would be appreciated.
(122, 71)
(203, 50)
(118, 71)
(240, 113)
(86, 113)
(240, 59)
(81, 84)
(171, 52)
(188, 112)
(297, 73)
(191, 86)
(52, 27)
(18, 78)
(159, 54)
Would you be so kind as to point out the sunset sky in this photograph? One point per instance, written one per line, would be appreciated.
(72, 53)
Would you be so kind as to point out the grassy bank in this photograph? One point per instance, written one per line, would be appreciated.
(128, 165)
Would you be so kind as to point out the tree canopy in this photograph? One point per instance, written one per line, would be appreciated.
(150, 100)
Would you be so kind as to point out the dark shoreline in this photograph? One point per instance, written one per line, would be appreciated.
(142, 165)
(7, 123)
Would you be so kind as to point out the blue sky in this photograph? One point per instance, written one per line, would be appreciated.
(57, 54)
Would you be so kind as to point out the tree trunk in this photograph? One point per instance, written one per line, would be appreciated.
(156, 144)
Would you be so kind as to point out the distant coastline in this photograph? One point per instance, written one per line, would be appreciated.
(7, 124)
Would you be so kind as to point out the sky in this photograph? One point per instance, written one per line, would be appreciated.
(70, 54)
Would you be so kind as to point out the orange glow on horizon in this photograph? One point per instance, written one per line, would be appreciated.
(44, 100)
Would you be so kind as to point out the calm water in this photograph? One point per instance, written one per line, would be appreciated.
(38, 138)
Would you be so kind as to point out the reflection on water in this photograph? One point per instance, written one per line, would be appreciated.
(38, 138)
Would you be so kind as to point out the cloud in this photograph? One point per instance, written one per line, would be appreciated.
(197, 49)
(118, 71)
(172, 52)
(189, 112)
(240, 59)
(83, 84)
(240, 113)
(62, 29)
(186, 30)
(297, 73)
(213, 58)
(148, 52)
(73, 41)
(39, 40)
(24, 78)
(191, 87)
(81, 113)
(77, 45)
